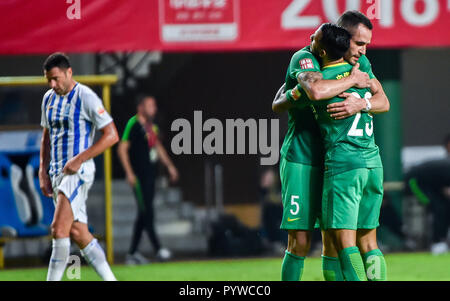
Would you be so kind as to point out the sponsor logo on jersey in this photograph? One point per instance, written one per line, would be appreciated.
(100, 111)
(292, 219)
(306, 64)
(66, 110)
(345, 74)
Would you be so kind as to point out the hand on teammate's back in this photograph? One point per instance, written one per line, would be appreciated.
(343, 109)
(361, 79)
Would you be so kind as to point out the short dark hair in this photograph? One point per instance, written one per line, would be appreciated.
(140, 98)
(351, 19)
(335, 40)
(57, 59)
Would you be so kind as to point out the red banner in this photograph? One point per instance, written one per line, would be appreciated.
(32, 27)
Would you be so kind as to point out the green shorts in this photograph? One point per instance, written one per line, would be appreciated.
(352, 199)
(301, 192)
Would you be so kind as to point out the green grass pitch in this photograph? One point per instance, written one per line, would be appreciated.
(401, 267)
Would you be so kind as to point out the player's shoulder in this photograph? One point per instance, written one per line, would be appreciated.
(366, 66)
(305, 52)
(47, 95)
(132, 124)
(131, 127)
(364, 61)
(305, 60)
(86, 92)
(132, 121)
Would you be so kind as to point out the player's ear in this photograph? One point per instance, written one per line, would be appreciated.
(322, 53)
(69, 72)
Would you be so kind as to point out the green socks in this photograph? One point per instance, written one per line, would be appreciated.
(352, 264)
(292, 267)
(331, 268)
(375, 265)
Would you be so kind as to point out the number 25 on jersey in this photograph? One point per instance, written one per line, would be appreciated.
(354, 130)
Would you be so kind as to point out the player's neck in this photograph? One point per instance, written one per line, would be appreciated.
(327, 62)
(72, 85)
(143, 120)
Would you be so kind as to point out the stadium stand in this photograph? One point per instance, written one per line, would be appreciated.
(15, 209)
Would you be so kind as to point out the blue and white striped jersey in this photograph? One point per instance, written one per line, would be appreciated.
(72, 120)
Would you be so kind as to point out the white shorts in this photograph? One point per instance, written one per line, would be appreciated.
(75, 187)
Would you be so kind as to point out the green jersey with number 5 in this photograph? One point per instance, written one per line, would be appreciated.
(349, 143)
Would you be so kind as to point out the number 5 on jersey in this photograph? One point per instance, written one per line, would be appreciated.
(295, 208)
(294, 202)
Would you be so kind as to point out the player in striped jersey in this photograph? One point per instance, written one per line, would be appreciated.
(70, 114)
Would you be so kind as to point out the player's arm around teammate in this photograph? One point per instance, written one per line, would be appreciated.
(318, 89)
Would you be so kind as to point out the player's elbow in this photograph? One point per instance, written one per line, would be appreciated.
(277, 108)
(314, 93)
(387, 105)
(114, 138)
(111, 135)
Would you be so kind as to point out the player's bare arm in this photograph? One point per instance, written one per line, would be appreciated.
(165, 159)
(280, 103)
(352, 105)
(44, 161)
(124, 157)
(318, 89)
(109, 138)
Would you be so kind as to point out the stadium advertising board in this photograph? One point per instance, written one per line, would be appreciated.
(208, 25)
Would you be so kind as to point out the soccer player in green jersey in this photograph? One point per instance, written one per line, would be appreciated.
(300, 155)
(353, 177)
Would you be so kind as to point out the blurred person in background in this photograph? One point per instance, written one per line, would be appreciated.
(429, 182)
(139, 151)
(272, 209)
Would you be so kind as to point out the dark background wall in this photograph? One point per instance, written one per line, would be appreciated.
(222, 86)
(426, 97)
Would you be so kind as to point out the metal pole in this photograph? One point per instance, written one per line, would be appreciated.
(108, 196)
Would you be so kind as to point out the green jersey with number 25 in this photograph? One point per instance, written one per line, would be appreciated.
(349, 143)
